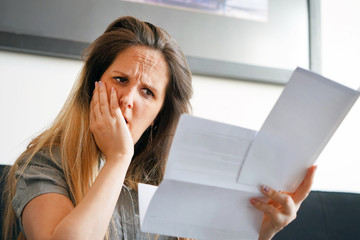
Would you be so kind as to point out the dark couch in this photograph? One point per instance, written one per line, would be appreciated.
(325, 216)
(322, 216)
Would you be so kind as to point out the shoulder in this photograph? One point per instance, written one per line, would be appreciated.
(40, 174)
(42, 159)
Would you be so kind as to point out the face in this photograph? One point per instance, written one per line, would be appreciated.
(140, 76)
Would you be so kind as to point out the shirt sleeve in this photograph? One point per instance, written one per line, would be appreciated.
(41, 176)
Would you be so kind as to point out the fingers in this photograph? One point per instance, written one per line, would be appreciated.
(264, 207)
(99, 106)
(114, 105)
(95, 106)
(282, 201)
(104, 101)
(305, 187)
(274, 218)
(279, 211)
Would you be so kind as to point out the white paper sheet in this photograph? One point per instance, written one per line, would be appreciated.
(214, 168)
(146, 192)
(297, 129)
(207, 152)
(201, 212)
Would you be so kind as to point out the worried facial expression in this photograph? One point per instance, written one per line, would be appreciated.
(140, 76)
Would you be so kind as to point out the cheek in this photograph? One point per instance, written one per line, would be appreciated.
(148, 115)
(145, 118)
(154, 111)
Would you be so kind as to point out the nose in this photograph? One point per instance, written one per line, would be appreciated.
(127, 98)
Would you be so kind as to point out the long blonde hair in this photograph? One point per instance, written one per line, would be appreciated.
(70, 130)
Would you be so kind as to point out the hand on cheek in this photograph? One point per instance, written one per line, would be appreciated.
(108, 126)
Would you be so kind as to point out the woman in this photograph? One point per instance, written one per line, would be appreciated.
(77, 180)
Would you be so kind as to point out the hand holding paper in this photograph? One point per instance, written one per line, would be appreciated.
(281, 209)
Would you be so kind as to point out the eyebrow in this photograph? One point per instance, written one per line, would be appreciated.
(122, 73)
(152, 88)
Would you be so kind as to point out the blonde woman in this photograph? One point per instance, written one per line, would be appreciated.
(78, 179)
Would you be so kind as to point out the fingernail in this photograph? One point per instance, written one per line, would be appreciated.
(265, 188)
(112, 89)
(253, 201)
(100, 83)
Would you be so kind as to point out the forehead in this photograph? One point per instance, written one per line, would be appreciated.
(140, 61)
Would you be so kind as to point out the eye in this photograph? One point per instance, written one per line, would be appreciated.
(121, 79)
(148, 92)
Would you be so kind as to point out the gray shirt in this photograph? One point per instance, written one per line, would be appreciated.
(43, 175)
